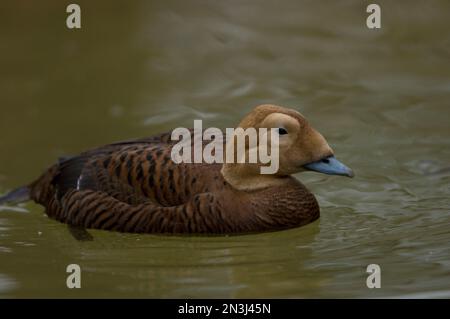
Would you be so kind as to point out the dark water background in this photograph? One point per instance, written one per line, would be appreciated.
(381, 98)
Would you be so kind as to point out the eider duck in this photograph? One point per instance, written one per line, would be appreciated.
(135, 186)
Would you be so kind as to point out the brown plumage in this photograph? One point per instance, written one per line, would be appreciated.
(135, 186)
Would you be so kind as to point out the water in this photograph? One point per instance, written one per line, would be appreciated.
(136, 69)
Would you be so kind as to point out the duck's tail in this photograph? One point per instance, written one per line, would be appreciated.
(19, 195)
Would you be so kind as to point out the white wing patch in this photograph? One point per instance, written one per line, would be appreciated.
(79, 182)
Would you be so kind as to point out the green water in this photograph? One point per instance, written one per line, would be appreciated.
(381, 98)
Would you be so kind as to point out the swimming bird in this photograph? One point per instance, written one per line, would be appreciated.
(135, 186)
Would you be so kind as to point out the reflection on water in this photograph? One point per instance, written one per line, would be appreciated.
(137, 69)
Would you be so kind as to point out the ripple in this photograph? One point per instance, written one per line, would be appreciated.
(16, 209)
(7, 284)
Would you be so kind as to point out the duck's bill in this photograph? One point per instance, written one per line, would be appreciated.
(331, 166)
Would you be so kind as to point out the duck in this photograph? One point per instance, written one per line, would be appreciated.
(134, 186)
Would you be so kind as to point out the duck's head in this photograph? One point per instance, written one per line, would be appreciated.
(300, 148)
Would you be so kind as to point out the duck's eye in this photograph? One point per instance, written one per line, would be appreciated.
(282, 131)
